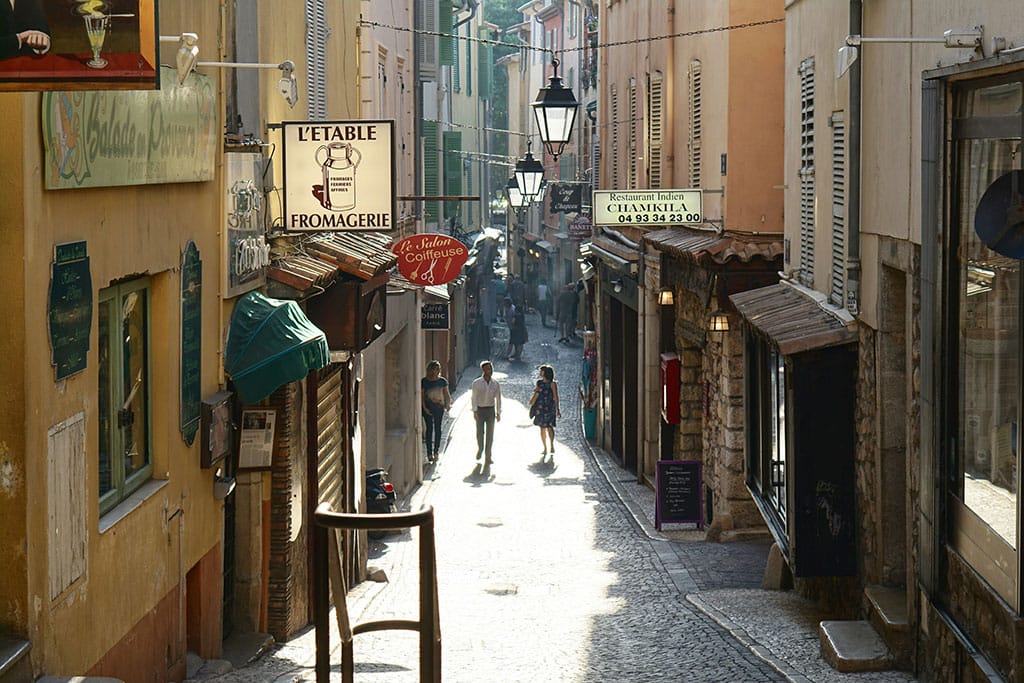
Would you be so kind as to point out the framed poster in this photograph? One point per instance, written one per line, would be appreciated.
(78, 45)
(256, 446)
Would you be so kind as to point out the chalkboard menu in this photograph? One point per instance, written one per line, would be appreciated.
(191, 340)
(69, 309)
(678, 493)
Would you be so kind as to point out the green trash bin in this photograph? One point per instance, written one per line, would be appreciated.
(589, 422)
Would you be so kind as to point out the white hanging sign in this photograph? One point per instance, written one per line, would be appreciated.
(339, 175)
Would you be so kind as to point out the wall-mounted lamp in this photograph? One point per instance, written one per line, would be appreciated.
(286, 86)
(718, 322)
(617, 284)
(847, 54)
(666, 297)
(187, 55)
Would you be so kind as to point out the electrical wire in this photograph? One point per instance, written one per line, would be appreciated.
(619, 43)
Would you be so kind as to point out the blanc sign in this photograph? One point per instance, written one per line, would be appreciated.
(339, 175)
(648, 207)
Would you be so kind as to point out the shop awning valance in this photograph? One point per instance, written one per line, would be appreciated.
(271, 342)
(792, 320)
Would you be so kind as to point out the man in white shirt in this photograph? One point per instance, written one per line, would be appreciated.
(486, 403)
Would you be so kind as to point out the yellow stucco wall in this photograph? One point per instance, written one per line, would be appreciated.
(13, 574)
(129, 231)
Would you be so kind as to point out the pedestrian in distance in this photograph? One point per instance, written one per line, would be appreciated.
(485, 399)
(543, 302)
(517, 291)
(544, 408)
(566, 304)
(517, 334)
(435, 401)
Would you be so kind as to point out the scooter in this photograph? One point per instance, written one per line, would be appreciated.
(380, 493)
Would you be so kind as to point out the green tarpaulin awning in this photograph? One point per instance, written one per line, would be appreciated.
(271, 342)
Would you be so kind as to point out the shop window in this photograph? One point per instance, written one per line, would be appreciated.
(800, 452)
(766, 375)
(983, 338)
(124, 410)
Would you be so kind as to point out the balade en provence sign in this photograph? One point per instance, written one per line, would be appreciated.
(339, 175)
(648, 207)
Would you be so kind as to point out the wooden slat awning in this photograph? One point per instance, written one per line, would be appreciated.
(792, 320)
(364, 255)
(704, 246)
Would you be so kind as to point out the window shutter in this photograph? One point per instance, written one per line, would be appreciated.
(469, 63)
(452, 170)
(445, 25)
(426, 42)
(696, 125)
(456, 71)
(431, 181)
(316, 60)
(655, 129)
(838, 208)
(615, 137)
(484, 66)
(633, 122)
(806, 273)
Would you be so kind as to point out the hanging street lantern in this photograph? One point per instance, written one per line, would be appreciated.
(515, 198)
(539, 197)
(555, 111)
(529, 175)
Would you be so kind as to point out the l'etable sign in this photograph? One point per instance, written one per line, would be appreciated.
(339, 175)
(648, 207)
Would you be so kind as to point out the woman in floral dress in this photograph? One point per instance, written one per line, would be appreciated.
(544, 407)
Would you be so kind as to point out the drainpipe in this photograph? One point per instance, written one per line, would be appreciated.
(853, 206)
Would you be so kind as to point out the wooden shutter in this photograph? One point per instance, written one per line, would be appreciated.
(655, 128)
(452, 169)
(806, 273)
(330, 454)
(431, 179)
(456, 69)
(615, 137)
(634, 116)
(838, 208)
(484, 66)
(696, 125)
(65, 473)
(316, 60)
(445, 25)
(426, 41)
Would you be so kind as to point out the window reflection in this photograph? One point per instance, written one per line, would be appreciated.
(989, 363)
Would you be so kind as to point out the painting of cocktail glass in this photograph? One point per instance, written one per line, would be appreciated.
(78, 44)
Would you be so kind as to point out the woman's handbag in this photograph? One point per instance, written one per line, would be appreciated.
(533, 410)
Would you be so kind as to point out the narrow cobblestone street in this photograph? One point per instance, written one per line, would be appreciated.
(551, 570)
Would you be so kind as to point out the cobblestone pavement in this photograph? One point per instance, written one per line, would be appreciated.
(551, 570)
